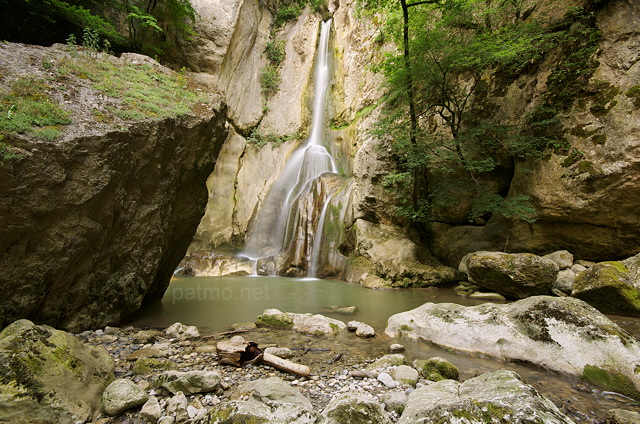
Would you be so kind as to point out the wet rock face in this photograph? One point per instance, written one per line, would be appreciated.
(95, 224)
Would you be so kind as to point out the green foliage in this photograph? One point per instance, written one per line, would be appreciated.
(275, 52)
(260, 140)
(28, 109)
(456, 152)
(8, 153)
(143, 92)
(270, 80)
(80, 16)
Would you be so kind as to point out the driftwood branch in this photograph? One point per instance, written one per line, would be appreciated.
(285, 365)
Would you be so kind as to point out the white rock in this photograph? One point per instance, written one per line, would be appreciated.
(182, 332)
(151, 410)
(396, 348)
(121, 395)
(362, 330)
(387, 380)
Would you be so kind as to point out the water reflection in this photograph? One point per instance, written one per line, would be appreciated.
(214, 303)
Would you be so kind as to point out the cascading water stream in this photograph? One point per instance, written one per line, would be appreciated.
(317, 242)
(271, 232)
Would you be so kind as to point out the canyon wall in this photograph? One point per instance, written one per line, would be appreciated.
(586, 207)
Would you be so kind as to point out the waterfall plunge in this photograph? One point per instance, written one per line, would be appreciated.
(272, 229)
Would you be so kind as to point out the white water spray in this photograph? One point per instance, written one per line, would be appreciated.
(271, 228)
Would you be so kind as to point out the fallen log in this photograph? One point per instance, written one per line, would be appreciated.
(238, 352)
(285, 365)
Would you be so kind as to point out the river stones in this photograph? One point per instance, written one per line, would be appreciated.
(47, 375)
(436, 369)
(516, 275)
(391, 360)
(361, 329)
(562, 334)
(499, 396)
(405, 375)
(182, 332)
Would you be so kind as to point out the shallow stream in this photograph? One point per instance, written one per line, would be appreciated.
(214, 303)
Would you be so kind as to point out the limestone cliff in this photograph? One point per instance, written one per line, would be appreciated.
(95, 221)
(586, 202)
(586, 206)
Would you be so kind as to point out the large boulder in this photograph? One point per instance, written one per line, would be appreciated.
(612, 287)
(239, 411)
(562, 334)
(516, 275)
(95, 223)
(500, 396)
(50, 376)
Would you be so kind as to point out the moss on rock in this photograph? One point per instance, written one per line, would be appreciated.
(436, 369)
(147, 365)
(52, 371)
(610, 380)
(274, 318)
(608, 287)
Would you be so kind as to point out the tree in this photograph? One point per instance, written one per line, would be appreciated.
(151, 20)
(452, 148)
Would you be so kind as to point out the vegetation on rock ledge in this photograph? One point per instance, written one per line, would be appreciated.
(455, 148)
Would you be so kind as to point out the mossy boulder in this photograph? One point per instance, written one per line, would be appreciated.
(146, 365)
(436, 369)
(563, 334)
(274, 318)
(47, 375)
(355, 408)
(256, 412)
(316, 325)
(610, 287)
(496, 397)
(515, 275)
(269, 390)
(189, 382)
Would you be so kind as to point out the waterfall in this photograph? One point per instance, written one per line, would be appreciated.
(271, 230)
(317, 241)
